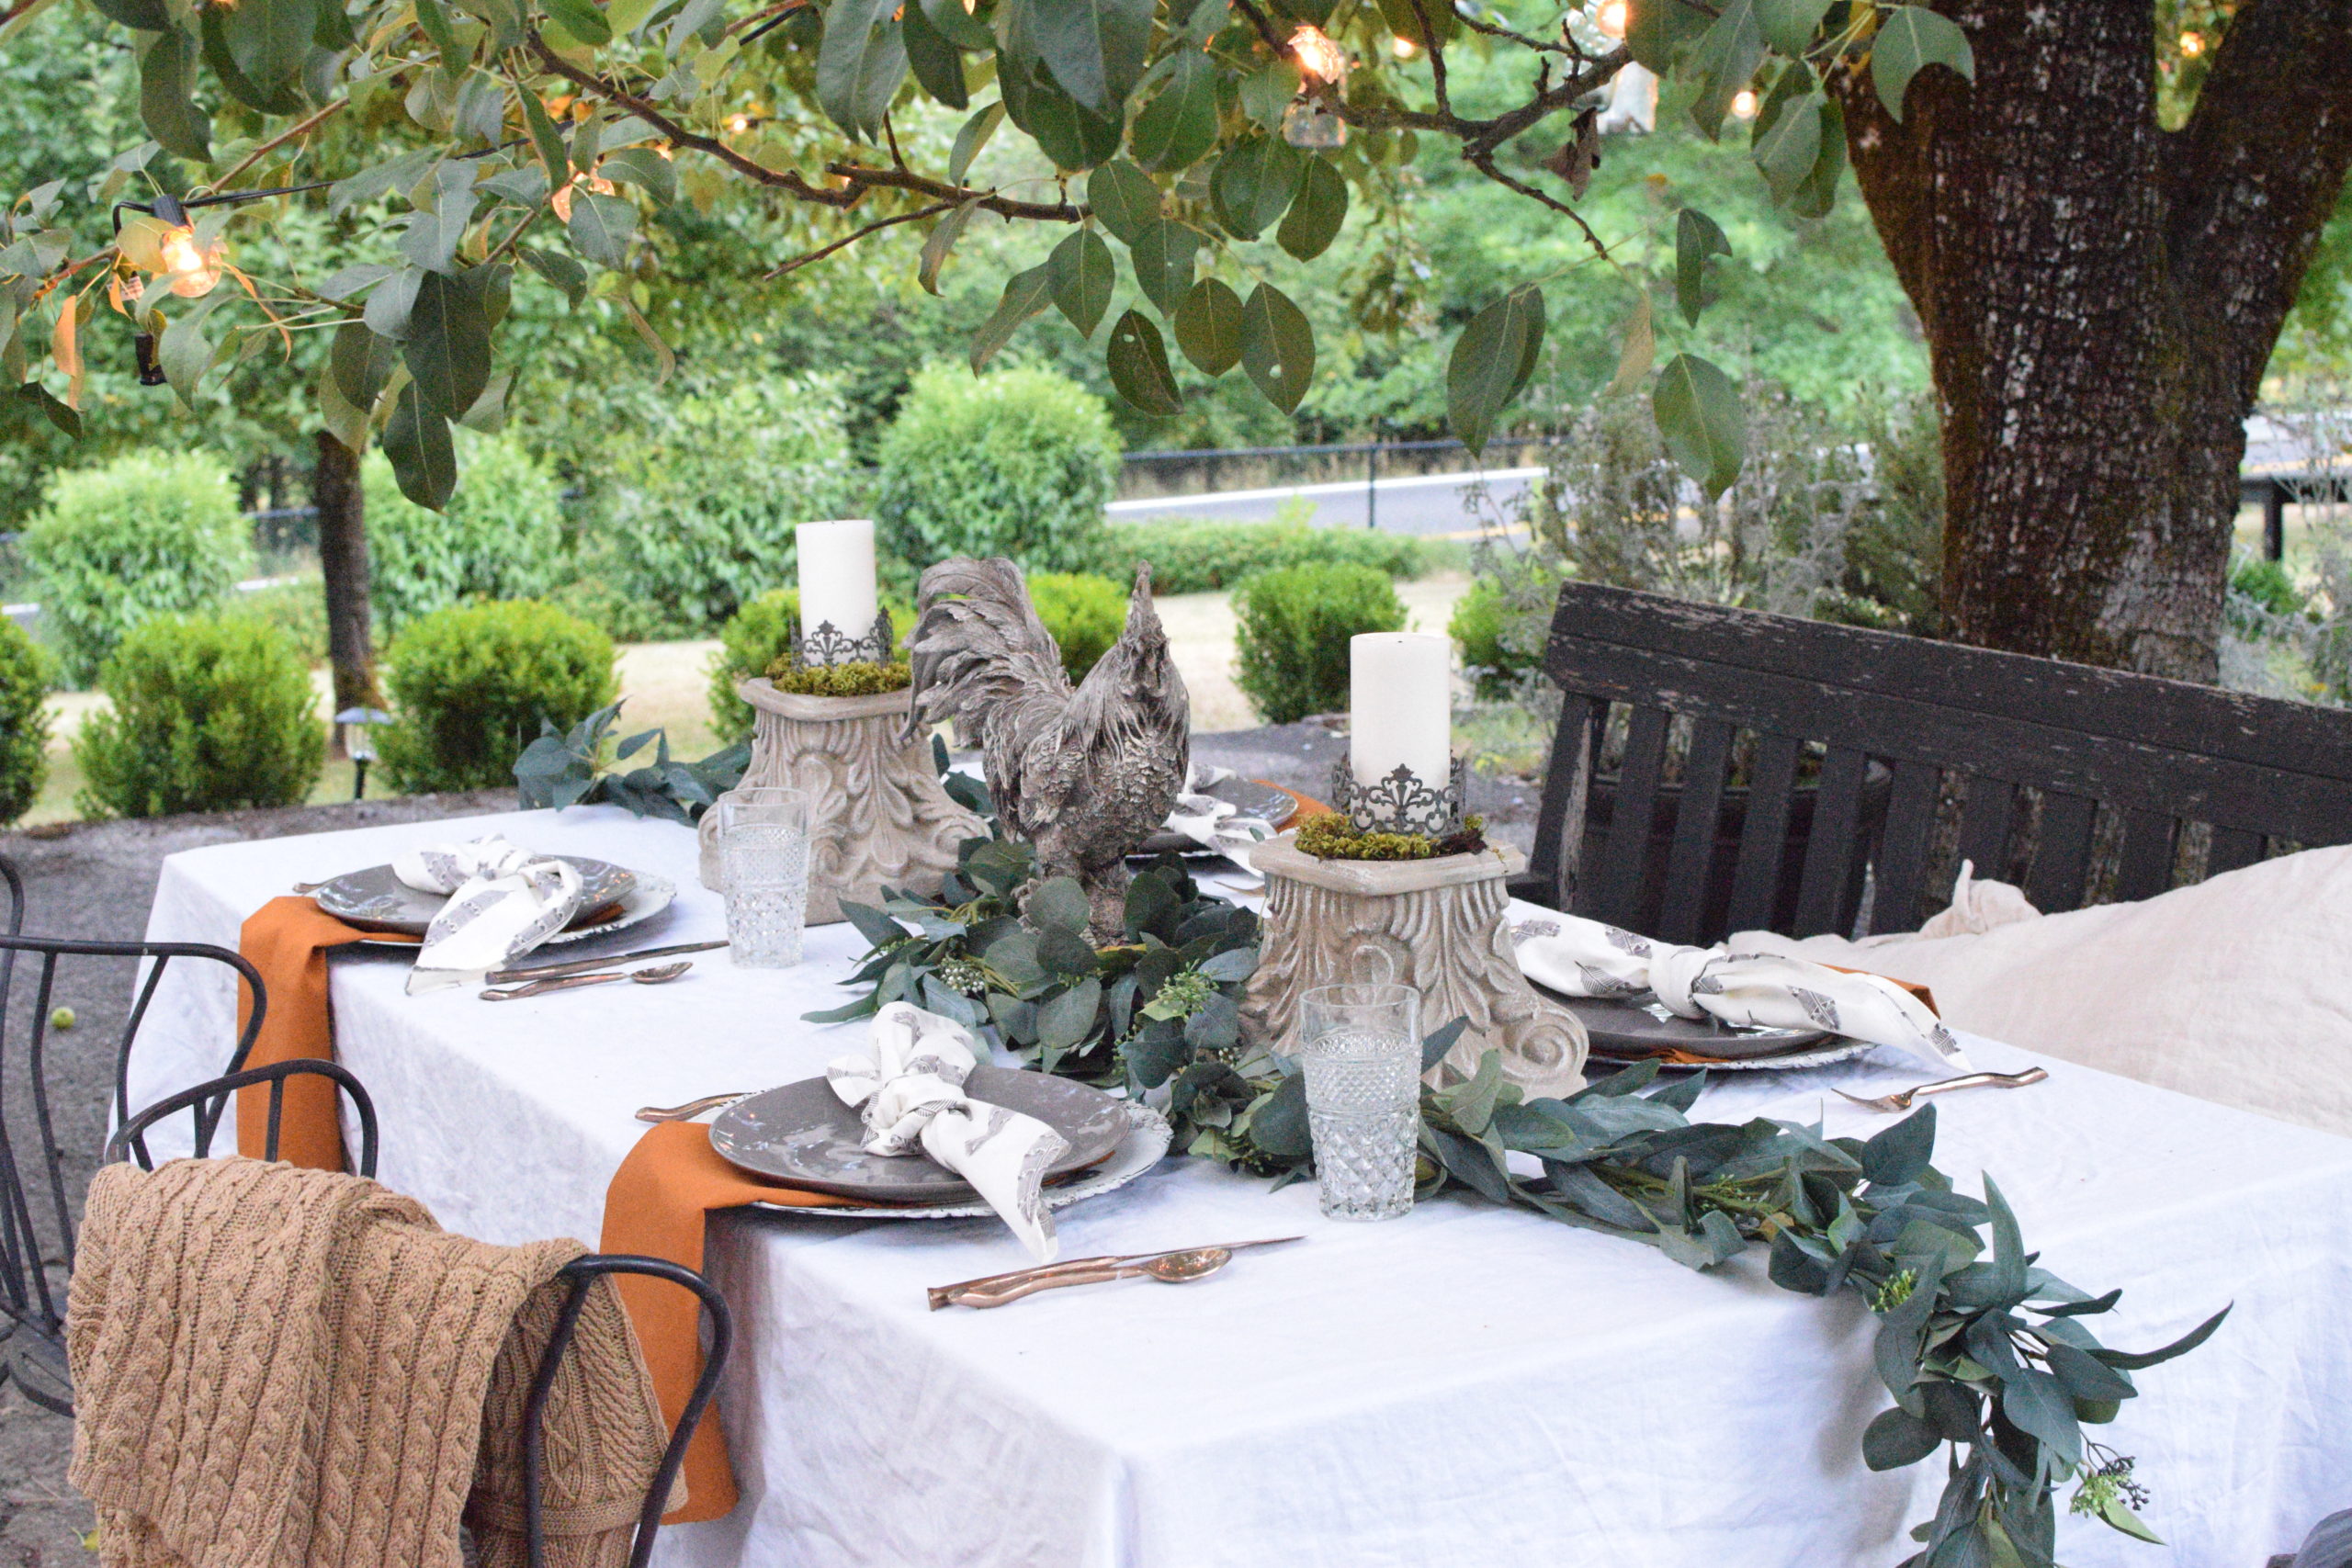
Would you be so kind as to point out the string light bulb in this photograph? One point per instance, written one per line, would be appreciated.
(1317, 54)
(1743, 103)
(1402, 48)
(193, 270)
(1612, 19)
(2192, 44)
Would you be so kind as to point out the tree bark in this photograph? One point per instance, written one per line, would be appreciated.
(2099, 298)
(342, 560)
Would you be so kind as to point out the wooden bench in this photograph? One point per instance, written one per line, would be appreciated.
(1920, 754)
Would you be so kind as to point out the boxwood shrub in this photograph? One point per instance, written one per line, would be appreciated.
(24, 721)
(1018, 463)
(470, 684)
(150, 534)
(1202, 558)
(208, 714)
(501, 536)
(1085, 614)
(754, 638)
(1293, 630)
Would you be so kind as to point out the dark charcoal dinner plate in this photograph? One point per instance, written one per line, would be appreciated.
(1632, 1030)
(1247, 797)
(375, 899)
(802, 1133)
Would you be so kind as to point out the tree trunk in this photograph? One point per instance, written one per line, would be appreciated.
(2100, 297)
(342, 560)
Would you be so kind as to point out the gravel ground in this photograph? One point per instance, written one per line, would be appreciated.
(98, 880)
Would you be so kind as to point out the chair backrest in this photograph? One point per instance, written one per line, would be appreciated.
(37, 1223)
(582, 1272)
(1922, 753)
(208, 1100)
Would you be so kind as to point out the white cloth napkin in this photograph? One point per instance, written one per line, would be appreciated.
(504, 900)
(1216, 824)
(1585, 958)
(910, 1090)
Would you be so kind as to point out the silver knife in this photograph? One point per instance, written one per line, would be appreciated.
(942, 1296)
(583, 965)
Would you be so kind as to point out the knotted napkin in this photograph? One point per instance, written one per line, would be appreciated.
(910, 1092)
(1578, 957)
(1216, 824)
(504, 900)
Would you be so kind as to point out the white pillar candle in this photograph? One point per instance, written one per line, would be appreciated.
(837, 576)
(1400, 706)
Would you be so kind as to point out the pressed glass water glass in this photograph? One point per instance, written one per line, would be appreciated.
(1360, 1047)
(763, 857)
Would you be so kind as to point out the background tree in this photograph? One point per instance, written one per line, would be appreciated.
(2101, 294)
(561, 140)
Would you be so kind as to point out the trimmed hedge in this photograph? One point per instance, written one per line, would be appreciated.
(150, 534)
(754, 638)
(1294, 632)
(471, 684)
(24, 721)
(501, 536)
(210, 714)
(1202, 558)
(1481, 619)
(1017, 463)
(1085, 614)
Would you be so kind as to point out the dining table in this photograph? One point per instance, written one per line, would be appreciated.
(1469, 1386)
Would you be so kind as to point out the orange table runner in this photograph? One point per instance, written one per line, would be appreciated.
(655, 1208)
(288, 940)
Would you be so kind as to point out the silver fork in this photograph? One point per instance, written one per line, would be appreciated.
(1902, 1100)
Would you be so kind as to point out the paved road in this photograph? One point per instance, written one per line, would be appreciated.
(1440, 506)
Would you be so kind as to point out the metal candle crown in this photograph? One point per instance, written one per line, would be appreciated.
(828, 644)
(1401, 801)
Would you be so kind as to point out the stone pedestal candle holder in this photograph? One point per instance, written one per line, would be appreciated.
(1438, 925)
(877, 815)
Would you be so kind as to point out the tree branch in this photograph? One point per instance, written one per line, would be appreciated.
(301, 128)
(796, 263)
(2252, 176)
(859, 177)
(1484, 164)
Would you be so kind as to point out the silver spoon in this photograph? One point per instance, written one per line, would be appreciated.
(1172, 1268)
(652, 976)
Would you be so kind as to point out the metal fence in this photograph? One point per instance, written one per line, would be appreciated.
(1173, 475)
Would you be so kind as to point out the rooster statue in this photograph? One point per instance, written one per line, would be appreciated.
(1083, 776)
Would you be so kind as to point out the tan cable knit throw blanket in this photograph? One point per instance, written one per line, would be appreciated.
(282, 1368)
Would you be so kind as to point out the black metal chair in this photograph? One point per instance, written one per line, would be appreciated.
(206, 1100)
(37, 1225)
(582, 1272)
(2071, 780)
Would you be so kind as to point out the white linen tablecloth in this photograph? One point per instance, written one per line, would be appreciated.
(1464, 1388)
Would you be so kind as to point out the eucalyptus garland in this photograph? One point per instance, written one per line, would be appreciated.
(1981, 1349)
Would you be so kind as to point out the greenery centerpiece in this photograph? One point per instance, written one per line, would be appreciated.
(860, 678)
(1980, 1348)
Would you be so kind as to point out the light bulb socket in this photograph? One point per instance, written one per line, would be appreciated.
(151, 369)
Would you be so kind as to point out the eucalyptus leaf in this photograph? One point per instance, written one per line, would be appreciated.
(1696, 237)
(1025, 294)
(1137, 361)
(1081, 271)
(1492, 362)
(1177, 128)
(1895, 1439)
(1162, 257)
(416, 439)
(1699, 415)
(974, 136)
(1316, 212)
(860, 64)
(1060, 903)
(1209, 326)
(1909, 39)
(1277, 346)
(1066, 1020)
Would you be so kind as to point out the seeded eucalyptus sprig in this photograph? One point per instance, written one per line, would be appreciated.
(1980, 1349)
